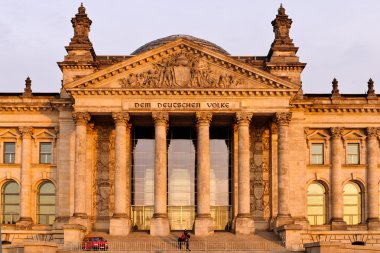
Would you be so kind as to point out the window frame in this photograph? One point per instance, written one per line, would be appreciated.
(3, 194)
(348, 154)
(325, 202)
(5, 153)
(360, 204)
(312, 155)
(38, 204)
(45, 153)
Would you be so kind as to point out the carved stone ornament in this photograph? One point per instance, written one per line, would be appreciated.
(336, 132)
(283, 118)
(183, 70)
(203, 118)
(373, 131)
(243, 117)
(81, 118)
(28, 88)
(335, 90)
(81, 24)
(120, 118)
(281, 27)
(160, 117)
(371, 90)
(26, 132)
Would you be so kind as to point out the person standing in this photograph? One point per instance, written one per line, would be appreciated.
(187, 239)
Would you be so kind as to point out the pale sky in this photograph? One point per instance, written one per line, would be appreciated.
(336, 38)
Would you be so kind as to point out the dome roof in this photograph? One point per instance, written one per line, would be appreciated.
(159, 42)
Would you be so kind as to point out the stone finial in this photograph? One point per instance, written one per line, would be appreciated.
(281, 27)
(28, 88)
(81, 24)
(371, 90)
(335, 90)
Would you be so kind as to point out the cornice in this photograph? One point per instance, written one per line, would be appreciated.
(186, 92)
(182, 45)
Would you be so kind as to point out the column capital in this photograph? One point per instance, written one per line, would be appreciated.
(160, 118)
(121, 118)
(203, 118)
(373, 132)
(336, 132)
(243, 118)
(81, 118)
(26, 132)
(283, 118)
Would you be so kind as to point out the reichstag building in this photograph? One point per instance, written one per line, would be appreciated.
(179, 134)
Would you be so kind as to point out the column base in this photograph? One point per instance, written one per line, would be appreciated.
(338, 224)
(283, 219)
(80, 219)
(373, 224)
(24, 223)
(159, 225)
(73, 233)
(203, 225)
(120, 225)
(244, 224)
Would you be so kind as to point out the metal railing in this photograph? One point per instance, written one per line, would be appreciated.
(175, 246)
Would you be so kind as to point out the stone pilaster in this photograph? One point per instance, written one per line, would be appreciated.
(283, 217)
(80, 215)
(26, 178)
(244, 222)
(372, 179)
(120, 223)
(160, 223)
(203, 222)
(337, 222)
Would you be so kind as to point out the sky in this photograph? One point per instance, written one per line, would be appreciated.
(336, 38)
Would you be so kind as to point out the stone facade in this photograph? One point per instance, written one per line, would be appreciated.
(182, 80)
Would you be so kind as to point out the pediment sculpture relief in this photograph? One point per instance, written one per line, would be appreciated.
(183, 70)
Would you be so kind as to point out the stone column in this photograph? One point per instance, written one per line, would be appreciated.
(337, 222)
(26, 174)
(283, 217)
(120, 223)
(244, 222)
(159, 225)
(235, 173)
(372, 178)
(203, 222)
(80, 215)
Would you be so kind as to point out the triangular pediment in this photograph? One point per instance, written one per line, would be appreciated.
(181, 64)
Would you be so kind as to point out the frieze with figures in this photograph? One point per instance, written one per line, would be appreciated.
(183, 70)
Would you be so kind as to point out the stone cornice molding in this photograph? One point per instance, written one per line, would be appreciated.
(203, 118)
(333, 109)
(283, 118)
(26, 132)
(243, 118)
(336, 132)
(182, 46)
(160, 118)
(187, 92)
(373, 132)
(81, 118)
(121, 118)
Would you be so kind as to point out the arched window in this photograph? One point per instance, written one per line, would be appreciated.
(11, 202)
(352, 201)
(46, 203)
(316, 204)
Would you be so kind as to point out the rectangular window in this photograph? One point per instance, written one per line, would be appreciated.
(45, 152)
(353, 153)
(317, 151)
(9, 152)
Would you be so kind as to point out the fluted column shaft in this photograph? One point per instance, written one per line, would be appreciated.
(243, 121)
(336, 171)
(283, 120)
(81, 119)
(372, 177)
(203, 163)
(121, 170)
(160, 164)
(26, 173)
